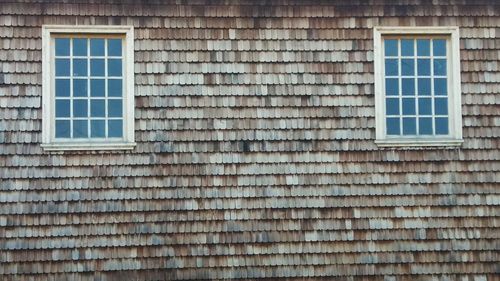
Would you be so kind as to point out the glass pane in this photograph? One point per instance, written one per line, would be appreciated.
(62, 129)
(391, 87)
(63, 108)
(114, 108)
(424, 67)
(440, 67)
(62, 46)
(97, 108)
(79, 67)
(441, 126)
(97, 67)
(80, 128)
(440, 87)
(80, 87)
(80, 108)
(115, 128)
(62, 67)
(423, 47)
(425, 126)
(62, 88)
(392, 106)
(425, 106)
(409, 106)
(97, 87)
(97, 128)
(407, 46)
(79, 47)
(441, 106)
(424, 86)
(392, 125)
(439, 47)
(114, 67)
(407, 67)
(114, 47)
(115, 87)
(408, 86)
(391, 47)
(409, 126)
(97, 47)
(391, 67)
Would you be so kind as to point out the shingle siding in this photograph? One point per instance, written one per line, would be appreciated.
(255, 153)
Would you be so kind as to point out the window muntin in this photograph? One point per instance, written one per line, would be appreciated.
(88, 100)
(415, 83)
(417, 86)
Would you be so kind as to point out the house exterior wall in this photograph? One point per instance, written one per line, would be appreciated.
(255, 153)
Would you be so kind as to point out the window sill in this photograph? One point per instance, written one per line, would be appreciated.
(418, 143)
(88, 146)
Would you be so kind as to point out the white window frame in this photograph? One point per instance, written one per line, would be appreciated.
(49, 142)
(454, 87)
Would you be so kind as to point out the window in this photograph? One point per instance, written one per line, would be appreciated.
(417, 86)
(88, 82)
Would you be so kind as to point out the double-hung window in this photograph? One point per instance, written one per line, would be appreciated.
(417, 86)
(88, 99)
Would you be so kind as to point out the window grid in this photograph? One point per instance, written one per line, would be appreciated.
(415, 57)
(72, 98)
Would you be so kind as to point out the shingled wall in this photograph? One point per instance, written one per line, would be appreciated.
(255, 151)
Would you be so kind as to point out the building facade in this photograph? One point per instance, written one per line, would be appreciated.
(249, 140)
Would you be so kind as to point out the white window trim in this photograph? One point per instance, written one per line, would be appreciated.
(454, 86)
(48, 140)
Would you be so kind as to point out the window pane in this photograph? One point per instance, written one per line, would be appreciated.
(409, 106)
(62, 88)
(424, 86)
(114, 67)
(79, 67)
(423, 47)
(97, 47)
(97, 67)
(62, 108)
(62, 46)
(80, 128)
(425, 126)
(62, 67)
(441, 126)
(439, 47)
(114, 108)
(441, 106)
(391, 47)
(407, 67)
(114, 47)
(409, 126)
(408, 86)
(62, 129)
(79, 47)
(391, 87)
(407, 46)
(115, 87)
(97, 87)
(392, 106)
(425, 106)
(392, 125)
(391, 67)
(97, 128)
(440, 87)
(424, 67)
(115, 128)
(97, 108)
(80, 108)
(440, 67)
(80, 87)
